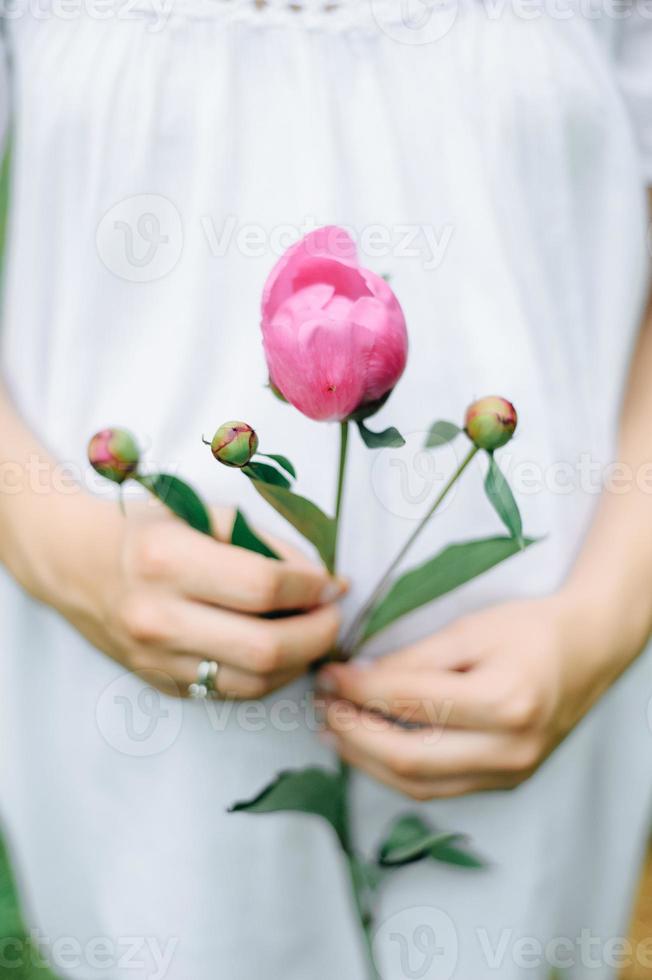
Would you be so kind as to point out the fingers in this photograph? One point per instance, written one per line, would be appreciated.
(427, 754)
(432, 697)
(231, 683)
(429, 763)
(418, 789)
(248, 643)
(209, 571)
(455, 647)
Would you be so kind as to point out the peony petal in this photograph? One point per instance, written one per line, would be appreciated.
(314, 297)
(388, 357)
(339, 308)
(330, 243)
(323, 368)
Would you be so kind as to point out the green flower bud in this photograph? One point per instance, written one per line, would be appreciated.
(114, 454)
(234, 444)
(490, 422)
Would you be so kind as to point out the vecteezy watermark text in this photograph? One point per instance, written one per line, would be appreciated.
(145, 954)
(156, 13)
(425, 242)
(424, 941)
(141, 238)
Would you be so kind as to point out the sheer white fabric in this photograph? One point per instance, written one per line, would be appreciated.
(497, 161)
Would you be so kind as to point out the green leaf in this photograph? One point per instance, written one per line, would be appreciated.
(457, 853)
(452, 567)
(317, 791)
(388, 438)
(10, 919)
(283, 462)
(441, 433)
(180, 498)
(266, 474)
(411, 839)
(302, 514)
(499, 492)
(242, 536)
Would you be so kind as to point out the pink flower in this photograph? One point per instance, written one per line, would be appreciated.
(334, 333)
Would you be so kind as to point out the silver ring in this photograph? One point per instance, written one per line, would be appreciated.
(206, 684)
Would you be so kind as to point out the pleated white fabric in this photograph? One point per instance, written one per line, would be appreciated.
(494, 165)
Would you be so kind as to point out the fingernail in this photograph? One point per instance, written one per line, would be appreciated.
(334, 588)
(327, 682)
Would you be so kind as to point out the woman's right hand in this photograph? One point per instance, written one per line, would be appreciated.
(159, 598)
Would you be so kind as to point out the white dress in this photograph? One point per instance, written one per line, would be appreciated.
(493, 160)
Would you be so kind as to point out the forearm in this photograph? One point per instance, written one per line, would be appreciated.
(612, 578)
(37, 499)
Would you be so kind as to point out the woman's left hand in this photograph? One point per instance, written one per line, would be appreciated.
(478, 706)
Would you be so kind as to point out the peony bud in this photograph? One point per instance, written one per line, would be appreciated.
(234, 444)
(114, 454)
(490, 422)
(334, 332)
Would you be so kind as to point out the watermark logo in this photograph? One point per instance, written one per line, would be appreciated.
(135, 719)
(140, 239)
(407, 480)
(416, 944)
(415, 21)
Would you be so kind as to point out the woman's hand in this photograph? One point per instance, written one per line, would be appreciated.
(159, 598)
(498, 690)
(492, 695)
(148, 590)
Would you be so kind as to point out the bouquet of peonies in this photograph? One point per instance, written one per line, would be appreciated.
(336, 345)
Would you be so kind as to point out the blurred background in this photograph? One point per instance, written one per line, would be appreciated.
(14, 940)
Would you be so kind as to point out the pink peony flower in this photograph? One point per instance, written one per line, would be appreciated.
(334, 333)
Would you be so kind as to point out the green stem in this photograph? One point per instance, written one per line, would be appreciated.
(339, 497)
(364, 915)
(341, 471)
(348, 647)
(345, 772)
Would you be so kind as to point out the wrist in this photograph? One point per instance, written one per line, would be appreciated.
(57, 540)
(604, 627)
